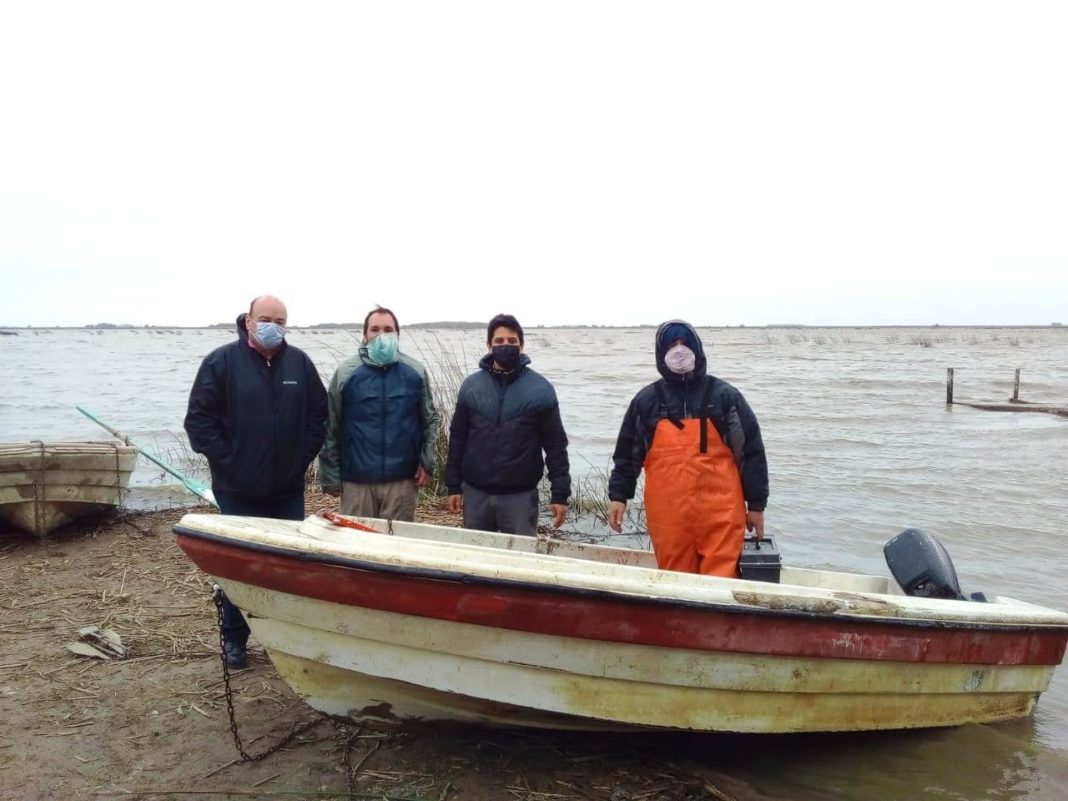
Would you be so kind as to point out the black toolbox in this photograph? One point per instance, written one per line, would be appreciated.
(760, 560)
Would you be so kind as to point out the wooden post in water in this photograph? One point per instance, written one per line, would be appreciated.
(1014, 404)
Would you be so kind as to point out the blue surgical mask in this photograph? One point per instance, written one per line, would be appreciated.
(270, 335)
(383, 349)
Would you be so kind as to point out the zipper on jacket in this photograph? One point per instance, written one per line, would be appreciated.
(382, 427)
(501, 389)
(274, 431)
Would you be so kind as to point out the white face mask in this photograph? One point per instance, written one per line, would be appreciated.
(680, 359)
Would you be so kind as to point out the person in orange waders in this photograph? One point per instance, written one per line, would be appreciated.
(706, 473)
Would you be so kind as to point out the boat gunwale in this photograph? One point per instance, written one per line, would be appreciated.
(437, 574)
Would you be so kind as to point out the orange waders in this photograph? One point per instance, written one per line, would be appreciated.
(693, 501)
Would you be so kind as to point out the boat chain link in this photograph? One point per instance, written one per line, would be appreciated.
(38, 490)
(217, 596)
(120, 495)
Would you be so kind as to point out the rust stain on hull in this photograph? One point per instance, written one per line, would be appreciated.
(608, 705)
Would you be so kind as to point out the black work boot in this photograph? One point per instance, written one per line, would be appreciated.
(236, 657)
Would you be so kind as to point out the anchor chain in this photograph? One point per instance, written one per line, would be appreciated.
(39, 490)
(296, 731)
(350, 774)
(120, 495)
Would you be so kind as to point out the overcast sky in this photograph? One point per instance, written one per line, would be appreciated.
(569, 162)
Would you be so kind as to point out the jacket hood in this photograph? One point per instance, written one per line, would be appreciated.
(666, 334)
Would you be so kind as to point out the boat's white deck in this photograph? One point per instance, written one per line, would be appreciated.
(618, 570)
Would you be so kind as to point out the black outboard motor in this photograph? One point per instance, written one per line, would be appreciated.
(922, 567)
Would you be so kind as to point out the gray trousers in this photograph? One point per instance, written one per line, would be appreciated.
(394, 500)
(514, 513)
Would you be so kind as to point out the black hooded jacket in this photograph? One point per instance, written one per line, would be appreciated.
(259, 421)
(502, 423)
(682, 396)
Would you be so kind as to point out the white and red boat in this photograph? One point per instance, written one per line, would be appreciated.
(429, 622)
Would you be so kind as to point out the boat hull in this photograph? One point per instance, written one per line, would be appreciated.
(366, 664)
(395, 640)
(47, 485)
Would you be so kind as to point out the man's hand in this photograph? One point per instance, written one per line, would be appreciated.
(455, 503)
(333, 491)
(422, 477)
(559, 513)
(755, 520)
(615, 515)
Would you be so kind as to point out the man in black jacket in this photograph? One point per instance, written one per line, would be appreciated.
(257, 411)
(506, 416)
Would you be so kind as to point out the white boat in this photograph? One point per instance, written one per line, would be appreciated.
(429, 622)
(45, 485)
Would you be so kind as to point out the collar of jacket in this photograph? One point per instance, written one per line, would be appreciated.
(365, 358)
(486, 363)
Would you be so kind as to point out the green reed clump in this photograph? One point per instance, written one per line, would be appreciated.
(588, 515)
(446, 371)
(176, 451)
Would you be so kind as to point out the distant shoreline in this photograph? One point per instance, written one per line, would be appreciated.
(466, 326)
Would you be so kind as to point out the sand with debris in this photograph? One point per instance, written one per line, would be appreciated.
(155, 724)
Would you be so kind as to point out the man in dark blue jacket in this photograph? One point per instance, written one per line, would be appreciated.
(506, 416)
(257, 411)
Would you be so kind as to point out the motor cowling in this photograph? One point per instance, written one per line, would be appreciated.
(921, 565)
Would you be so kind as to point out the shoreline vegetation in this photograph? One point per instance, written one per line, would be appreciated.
(587, 519)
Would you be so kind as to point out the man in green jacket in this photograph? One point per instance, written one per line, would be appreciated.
(382, 427)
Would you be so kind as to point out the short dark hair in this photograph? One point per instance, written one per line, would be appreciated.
(380, 310)
(506, 321)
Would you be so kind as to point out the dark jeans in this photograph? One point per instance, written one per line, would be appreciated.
(514, 513)
(288, 507)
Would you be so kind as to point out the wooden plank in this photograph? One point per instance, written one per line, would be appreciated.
(1017, 407)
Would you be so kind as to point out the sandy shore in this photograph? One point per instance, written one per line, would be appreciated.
(155, 725)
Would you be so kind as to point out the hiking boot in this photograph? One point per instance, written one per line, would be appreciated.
(236, 657)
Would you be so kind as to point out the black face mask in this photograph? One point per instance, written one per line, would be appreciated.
(506, 356)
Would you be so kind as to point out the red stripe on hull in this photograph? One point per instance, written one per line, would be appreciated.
(560, 612)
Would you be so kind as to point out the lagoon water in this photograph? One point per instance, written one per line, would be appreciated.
(860, 445)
